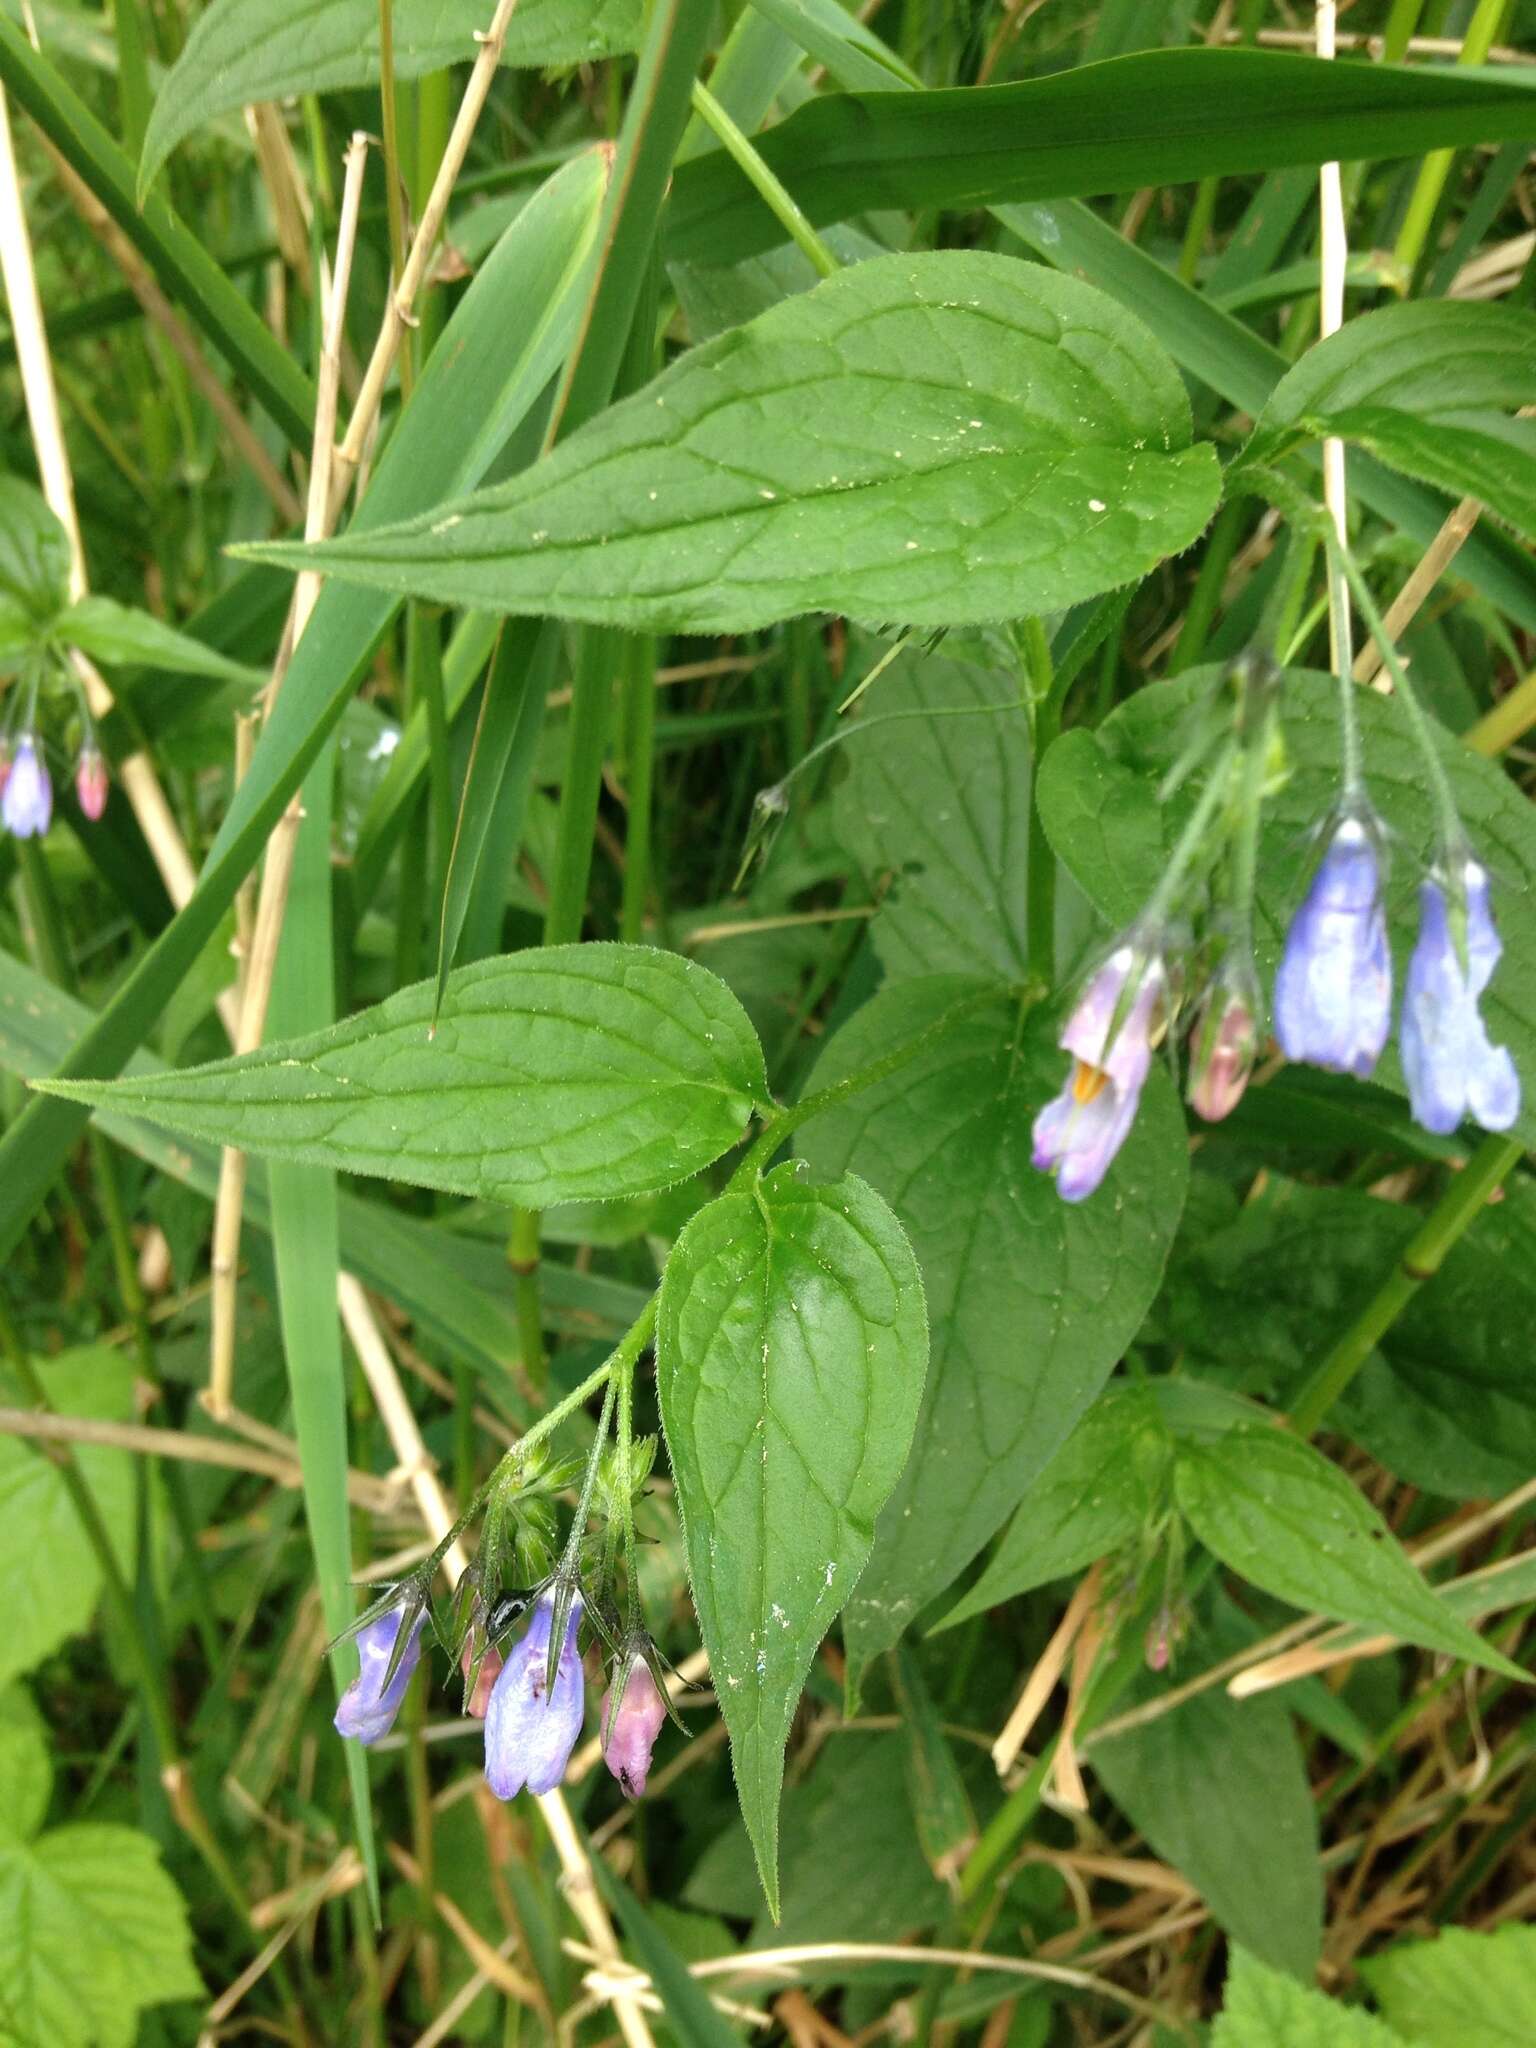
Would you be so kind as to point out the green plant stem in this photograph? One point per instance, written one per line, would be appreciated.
(767, 187)
(523, 1258)
(1401, 23)
(778, 1127)
(1435, 169)
(1201, 215)
(640, 750)
(394, 197)
(1439, 781)
(1172, 879)
(1490, 1165)
(1206, 595)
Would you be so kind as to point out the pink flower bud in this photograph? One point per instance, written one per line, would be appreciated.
(485, 1678)
(1226, 1045)
(91, 781)
(629, 1735)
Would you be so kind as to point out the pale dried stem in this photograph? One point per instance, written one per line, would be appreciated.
(405, 1437)
(1042, 1680)
(30, 336)
(378, 1496)
(442, 2027)
(489, 1961)
(1375, 46)
(291, 210)
(1334, 239)
(1067, 1773)
(161, 314)
(398, 312)
(260, 959)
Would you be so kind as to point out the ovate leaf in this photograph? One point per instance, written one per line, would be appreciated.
(1098, 800)
(943, 439)
(242, 50)
(553, 1075)
(47, 1566)
(26, 1769)
(1031, 1300)
(791, 1346)
(1277, 1512)
(1219, 1788)
(935, 809)
(116, 633)
(1460, 1988)
(1429, 387)
(1265, 2008)
(34, 562)
(91, 1931)
(1102, 1486)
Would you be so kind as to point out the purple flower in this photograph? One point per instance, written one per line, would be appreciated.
(367, 1709)
(1079, 1133)
(1333, 994)
(27, 805)
(1451, 1068)
(630, 1730)
(530, 1733)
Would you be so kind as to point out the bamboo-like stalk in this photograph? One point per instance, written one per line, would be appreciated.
(260, 961)
(1334, 252)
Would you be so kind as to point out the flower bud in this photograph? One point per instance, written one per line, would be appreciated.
(368, 1707)
(91, 781)
(485, 1678)
(27, 804)
(630, 1730)
(1224, 1046)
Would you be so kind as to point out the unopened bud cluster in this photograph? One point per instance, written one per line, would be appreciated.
(26, 787)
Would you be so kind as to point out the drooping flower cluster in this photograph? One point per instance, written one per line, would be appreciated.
(26, 787)
(1333, 993)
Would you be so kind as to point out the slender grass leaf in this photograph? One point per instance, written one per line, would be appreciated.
(1099, 805)
(941, 1806)
(1459, 1988)
(943, 439)
(501, 767)
(189, 274)
(692, 2017)
(790, 1351)
(1031, 1300)
(1219, 1789)
(1277, 1512)
(307, 1252)
(244, 50)
(1099, 1491)
(1161, 117)
(1427, 388)
(549, 1077)
(496, 357)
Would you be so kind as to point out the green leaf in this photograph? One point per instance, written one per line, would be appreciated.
(1221, 1792)
(26, 1768)
(1031, 1300)
(551, 1076)
(1426, 387)
(189, 274)
(91, 1931)
(1100, 1489)
(1099, 805)
(942, 439)
(1163, 117)
(1277, 1512)
(243, 50)
(47, 1565)
(114, 633)
(941, 1807)
(34, 562)
(1268, 2009)
(791, 1345)
(506, 340)
(935, 808)
(1460, 1988)
(691, 2015)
